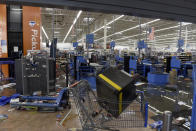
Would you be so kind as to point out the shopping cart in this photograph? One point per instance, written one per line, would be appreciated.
(94, 116)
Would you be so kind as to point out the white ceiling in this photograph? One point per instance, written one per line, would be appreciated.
(124, 30)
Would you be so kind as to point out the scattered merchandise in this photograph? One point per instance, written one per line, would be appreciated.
(156, 125)
(43, 103)
(5, 100)
(3, 117)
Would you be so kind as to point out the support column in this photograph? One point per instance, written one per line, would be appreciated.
(83, 42)
(186, 39)
(31, 28)
(193, 117)
(3, 38)
(105, 35)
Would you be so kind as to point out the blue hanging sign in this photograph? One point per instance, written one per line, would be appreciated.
(75, 44)
(141, 44)
(180, 42)
(112, 44)
(90, 38)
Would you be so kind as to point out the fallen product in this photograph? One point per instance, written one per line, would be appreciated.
(3, 116)
(62, 100)
(5, 100)
(117, 86)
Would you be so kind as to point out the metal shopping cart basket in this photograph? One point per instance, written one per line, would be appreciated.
(93, 115)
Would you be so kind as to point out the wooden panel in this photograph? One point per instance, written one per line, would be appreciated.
(31, 28)
(3, 37)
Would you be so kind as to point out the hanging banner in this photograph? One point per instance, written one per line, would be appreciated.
(4, 46)
(3, 38)
(90, 38)
(31, 28)
(1, 30)
(151, 33)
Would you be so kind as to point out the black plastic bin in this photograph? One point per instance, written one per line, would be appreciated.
(115, 90)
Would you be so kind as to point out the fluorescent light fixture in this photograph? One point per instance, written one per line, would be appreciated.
(16, 9)
(185, 23)
(74, 22)
(86, 19)
(56, 32)
(119, 33)
(106, 25)
(45, 33)
(79, 29)
(114, 20)
(130, 28)
(167, 28)
(126, 37)
(192, 31)
(172, 27)
(144, 33)
(49, 9)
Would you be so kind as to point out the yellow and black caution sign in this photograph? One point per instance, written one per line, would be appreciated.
(117, 87)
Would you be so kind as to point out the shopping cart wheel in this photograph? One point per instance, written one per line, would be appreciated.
(69, 105)
(18, 108)
(83, 100)
(94, 114)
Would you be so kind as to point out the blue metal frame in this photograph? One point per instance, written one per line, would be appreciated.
(57, 103)
(142, 68)
(147, 65)
(85, 72)
(132, 65)
(2, 62)
(145, 107)
(119, 59)
(179, 67)
(193, 118)
(175, 63)
(146, 115)
(186, 66)
(6, 62)
(158, 79)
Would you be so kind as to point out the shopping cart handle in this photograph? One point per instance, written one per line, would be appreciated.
(74, 84)
(140, 92)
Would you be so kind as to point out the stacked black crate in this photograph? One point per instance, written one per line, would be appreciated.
(126, 63)
(14, 34)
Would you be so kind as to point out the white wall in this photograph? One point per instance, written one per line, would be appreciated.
(118, 47)
(60, 46)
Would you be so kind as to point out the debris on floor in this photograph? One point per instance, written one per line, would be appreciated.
(74, 129)
(3, 117)
(12, 109)
(6, 100)
(7, 91)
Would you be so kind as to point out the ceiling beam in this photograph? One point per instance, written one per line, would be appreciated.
(71, 27)
(179, 10)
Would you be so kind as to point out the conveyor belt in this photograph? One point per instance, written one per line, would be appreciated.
(161, 99)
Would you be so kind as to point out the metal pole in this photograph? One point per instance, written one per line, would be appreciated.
(87, 44)
(146, 49)
(193, 117)
(53, 24)
(146, 115)
(186, 38)
(140, 31)
(67, 74)
(53, 55)
(167, 120)
(105, 34)
(180, 33)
